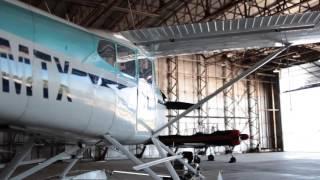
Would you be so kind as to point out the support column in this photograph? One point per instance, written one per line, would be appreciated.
(277, 114)
(253, 112)
(228, 96)
(275, 137)
(202, 92)
(173, 91)
(274, 118)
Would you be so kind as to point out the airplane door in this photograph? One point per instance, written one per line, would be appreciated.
(126, 92)
(104, 80)
(146, 99)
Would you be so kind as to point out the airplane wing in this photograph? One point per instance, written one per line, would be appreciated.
(258, 32)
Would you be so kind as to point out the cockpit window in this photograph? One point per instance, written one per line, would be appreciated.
(107, 51)
(126, 58)
(128, 68)
(125, 54)
(145, 70)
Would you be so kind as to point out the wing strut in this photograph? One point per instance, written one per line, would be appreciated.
(18, 158)
(130, 156)
(46, 163)
(228, 84)
(146, 166)
(168, 165)
(160, 145)
(72, 163)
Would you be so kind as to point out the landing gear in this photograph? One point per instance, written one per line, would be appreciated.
(233, 160)
(196, 159)
(188, 155)
(139, 155)
(146, 166)
(75, 152)
(210, 157)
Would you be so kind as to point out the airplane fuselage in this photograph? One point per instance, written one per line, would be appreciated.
(53, 80)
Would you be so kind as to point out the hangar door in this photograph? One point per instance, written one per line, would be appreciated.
(300, 107)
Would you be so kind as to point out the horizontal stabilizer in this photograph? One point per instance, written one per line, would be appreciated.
(178, 105)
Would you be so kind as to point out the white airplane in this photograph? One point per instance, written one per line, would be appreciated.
(62, 81)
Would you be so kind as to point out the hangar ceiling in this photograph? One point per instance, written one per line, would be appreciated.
(116, 15)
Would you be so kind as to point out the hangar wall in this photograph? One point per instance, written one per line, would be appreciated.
(251, 105)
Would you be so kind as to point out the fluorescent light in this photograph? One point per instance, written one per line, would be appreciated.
(277, 70)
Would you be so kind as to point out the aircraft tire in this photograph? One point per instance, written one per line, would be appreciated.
(233, 160)
(210, 157)
(188, 155)
(196, 159)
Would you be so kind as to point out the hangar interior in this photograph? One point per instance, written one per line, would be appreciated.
(271, 105)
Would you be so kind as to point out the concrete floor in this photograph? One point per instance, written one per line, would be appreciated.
(262, 166)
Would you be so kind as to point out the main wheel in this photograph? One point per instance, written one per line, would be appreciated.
(188, 155)
(211, 157)
(196, 159)
(233, 160)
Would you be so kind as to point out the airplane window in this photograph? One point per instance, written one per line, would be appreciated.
(125, 54)
(23, 49)
(5, 74)
(4, 43)
(128, 68)
(3, 55)
(145, 70)
(126, 58)
(106, 50)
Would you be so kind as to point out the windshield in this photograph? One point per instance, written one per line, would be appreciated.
(106, 50)
(125, 54)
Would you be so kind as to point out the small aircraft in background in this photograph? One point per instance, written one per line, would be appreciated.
(63, 82)
(230, 138)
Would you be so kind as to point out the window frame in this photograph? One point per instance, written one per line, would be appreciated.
(135, 51)
(152, 70)
(116, 65)
(115, 51)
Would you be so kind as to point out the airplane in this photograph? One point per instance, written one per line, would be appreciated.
(229, 138)
(64, 82)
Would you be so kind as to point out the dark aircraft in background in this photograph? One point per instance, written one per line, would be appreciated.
(229, 138)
